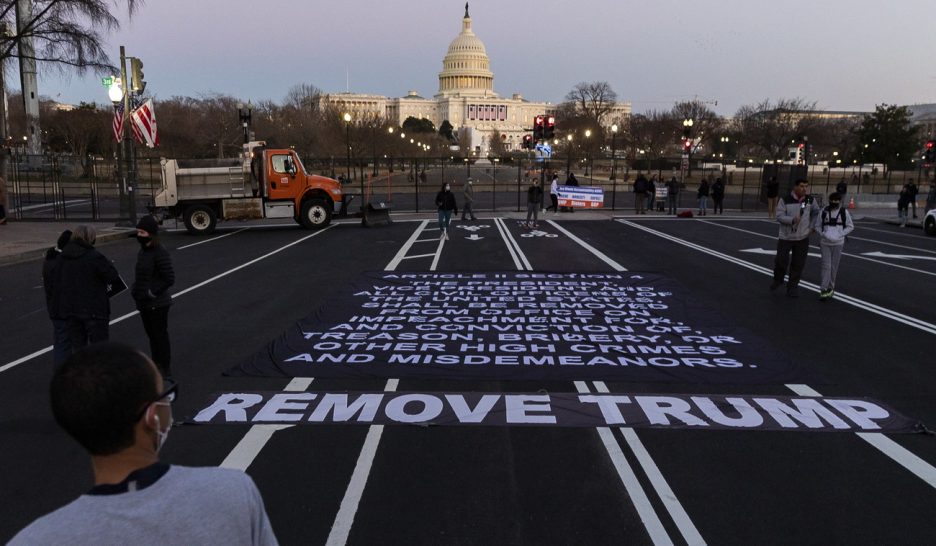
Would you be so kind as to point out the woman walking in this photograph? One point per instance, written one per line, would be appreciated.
(445, 201)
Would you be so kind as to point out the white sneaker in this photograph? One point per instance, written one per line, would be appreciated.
(442, 236)
(445, 233)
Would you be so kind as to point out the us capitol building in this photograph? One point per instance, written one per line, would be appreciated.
(466, 98)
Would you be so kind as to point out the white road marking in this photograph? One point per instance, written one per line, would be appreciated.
(406, 246)
(673, 506)
(861, 304)
(257, 437)
(885, 243)
(879, 254)
(438, 254)
(341, 527)
(27, 358)
(858, 256)
(420, 255)
(212, 239)
(885, 445)
(512, 246)
(768, 252)
(601, 256)
(626, 473)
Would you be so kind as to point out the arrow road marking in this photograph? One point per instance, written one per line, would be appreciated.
(471, 228)
(771, 252)
(474, 237)
(897, 256)
(538, 233)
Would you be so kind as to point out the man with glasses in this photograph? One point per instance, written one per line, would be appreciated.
(113, 401)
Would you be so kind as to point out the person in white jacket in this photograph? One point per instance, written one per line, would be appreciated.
(834, 223)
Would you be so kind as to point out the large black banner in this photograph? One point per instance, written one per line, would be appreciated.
(701, 412)
(511, 325)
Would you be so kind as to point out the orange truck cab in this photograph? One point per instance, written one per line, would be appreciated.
(262, 183)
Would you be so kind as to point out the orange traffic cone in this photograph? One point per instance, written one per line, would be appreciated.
(851, 203)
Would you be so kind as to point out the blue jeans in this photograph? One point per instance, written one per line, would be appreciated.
(703, 204)
(444, 217)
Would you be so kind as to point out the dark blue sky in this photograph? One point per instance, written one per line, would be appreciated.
(844, 55)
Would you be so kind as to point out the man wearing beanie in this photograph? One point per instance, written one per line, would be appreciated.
(154, 276)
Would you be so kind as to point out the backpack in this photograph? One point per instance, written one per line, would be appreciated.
(827, 220)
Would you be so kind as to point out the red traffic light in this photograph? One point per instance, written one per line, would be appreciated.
(930, 144)
(801, 145)
(551, 120)
(687, 144)
(538, 120)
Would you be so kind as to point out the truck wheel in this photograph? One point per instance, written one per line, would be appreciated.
(200, 220)
(315, 214)
(930, 227)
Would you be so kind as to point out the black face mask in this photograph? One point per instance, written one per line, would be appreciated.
(834, 204)
(144, 241)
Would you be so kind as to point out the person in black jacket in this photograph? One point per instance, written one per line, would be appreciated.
(718, 196)
(80, 289)
(61, 347)
(154, 276)
(445, 201)
(703, 195)
(534, 202)
(772, 190)
(641, 186)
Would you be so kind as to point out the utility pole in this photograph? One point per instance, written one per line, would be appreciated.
(129, 153)
(27, 61)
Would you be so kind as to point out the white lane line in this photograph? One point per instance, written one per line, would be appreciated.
(520, 259)
(601, 256)
(47, 205)
(257, 437)
(858, 256)
(905, 247)
(212, 239)
(676, 511)
(420, 255)
(635, 491)
(27, 358)
(433, 240)
(438, 254)
(406, 246)
(341, 528)
(861, 304)
(896, 452)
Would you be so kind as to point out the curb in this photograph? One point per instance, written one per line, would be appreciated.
(30, 255)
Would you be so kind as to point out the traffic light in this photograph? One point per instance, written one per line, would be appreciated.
(136, 71)
(550, 128)
(527, 142)
(687, 145)
(538, 128)
(929, 156)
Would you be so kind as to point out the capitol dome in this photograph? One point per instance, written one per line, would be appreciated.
(466, 67)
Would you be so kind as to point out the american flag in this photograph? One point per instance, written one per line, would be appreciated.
(144, 124)
(118, 122)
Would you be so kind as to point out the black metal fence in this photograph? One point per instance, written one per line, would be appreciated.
(56, 187)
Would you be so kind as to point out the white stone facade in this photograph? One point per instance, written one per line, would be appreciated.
(465, 98)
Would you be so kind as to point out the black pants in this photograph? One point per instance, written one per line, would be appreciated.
(156, 324)
(555, 202)
(800, 250)
(719, 206)
(83, 331)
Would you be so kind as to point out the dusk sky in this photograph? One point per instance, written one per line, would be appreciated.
(844, 55)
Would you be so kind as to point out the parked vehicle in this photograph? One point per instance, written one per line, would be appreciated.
(262, 183)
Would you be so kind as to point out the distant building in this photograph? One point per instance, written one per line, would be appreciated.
(465, 98)
(924, 116)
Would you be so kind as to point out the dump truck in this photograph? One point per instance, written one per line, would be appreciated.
(262, 183)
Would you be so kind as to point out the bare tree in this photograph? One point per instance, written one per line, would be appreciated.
(770, 127)
(592, 100)
(67, 35)
(653, 132)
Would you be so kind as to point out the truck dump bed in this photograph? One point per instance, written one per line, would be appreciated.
(193, 179)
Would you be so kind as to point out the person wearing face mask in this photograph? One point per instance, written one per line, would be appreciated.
(467, 209)
(834, 223)
(445, 201)
(154, 276)
(113, 401)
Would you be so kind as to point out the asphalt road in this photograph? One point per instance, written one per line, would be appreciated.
(241, 288)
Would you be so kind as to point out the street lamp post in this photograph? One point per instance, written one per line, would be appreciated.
(115, 94)
(245, 112)
(347, 120)
(687, 145)
(569, 154)
(614, 130)
(588, 152)
(389, 153)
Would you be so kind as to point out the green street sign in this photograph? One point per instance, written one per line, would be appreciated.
(108, 81)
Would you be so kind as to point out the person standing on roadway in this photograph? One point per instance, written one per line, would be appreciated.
(534, 203)
(113, 401)
(703, 195)
(833, 225)
(81, 289)
(796, 214)
(772, 190)
(468, 209)
(445, 201)
(672, 193)
(554, 193)
(61, 347)
(154, 276)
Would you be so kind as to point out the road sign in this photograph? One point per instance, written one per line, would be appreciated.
(108, 81)
(543, 151)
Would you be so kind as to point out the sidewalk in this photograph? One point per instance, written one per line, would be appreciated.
(24, 241)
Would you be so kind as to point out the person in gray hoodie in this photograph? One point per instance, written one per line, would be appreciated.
(834, 223)
(796, 213)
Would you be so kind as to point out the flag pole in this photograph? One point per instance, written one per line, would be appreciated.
(130, 180)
